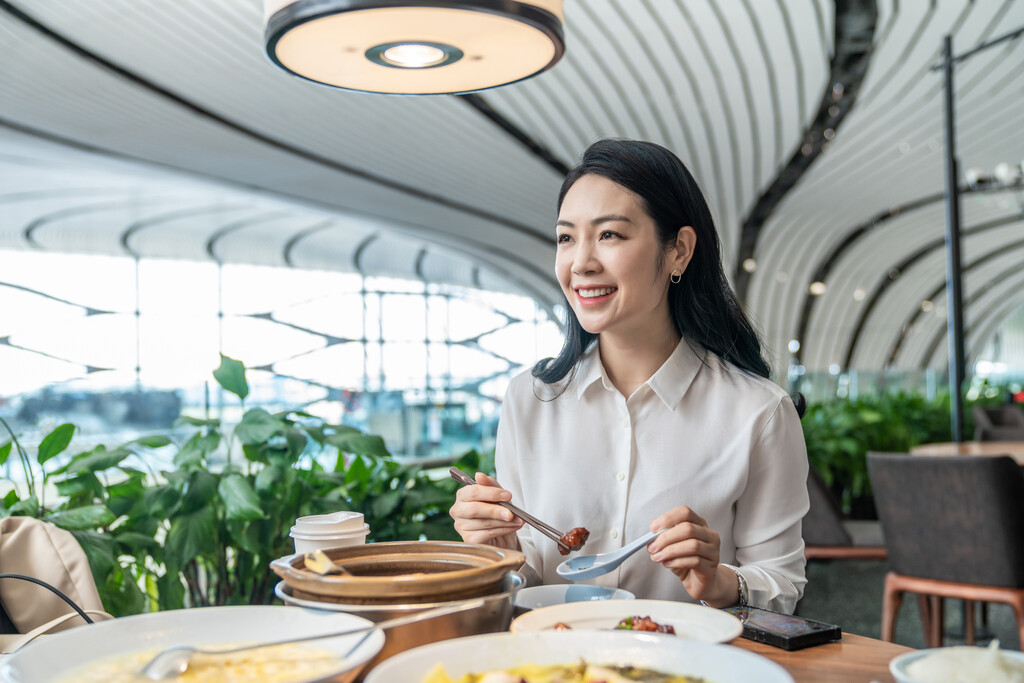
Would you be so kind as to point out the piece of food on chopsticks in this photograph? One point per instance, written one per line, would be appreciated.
(577, 673)
(645, 624)
(573, 540)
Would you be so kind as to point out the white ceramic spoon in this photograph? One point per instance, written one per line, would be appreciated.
(590, 566)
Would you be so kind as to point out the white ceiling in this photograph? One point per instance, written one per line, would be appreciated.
(160, 129)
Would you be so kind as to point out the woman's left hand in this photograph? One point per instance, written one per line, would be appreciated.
(690, 549)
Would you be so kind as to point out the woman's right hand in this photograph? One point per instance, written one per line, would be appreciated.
(479, 518)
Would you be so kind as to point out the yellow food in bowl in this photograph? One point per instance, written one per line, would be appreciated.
(579, 673)
(277, 664)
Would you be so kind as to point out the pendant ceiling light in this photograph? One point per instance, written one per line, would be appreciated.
(408, 47)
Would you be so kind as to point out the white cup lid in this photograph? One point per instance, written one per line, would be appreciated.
(341, 521)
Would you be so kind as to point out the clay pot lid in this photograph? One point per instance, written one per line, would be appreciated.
(403, 569)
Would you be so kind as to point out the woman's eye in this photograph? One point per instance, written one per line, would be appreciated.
(562, 239)
(608, 234)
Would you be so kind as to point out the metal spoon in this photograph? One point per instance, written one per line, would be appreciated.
(317, 561)
(590, 566)
(174, 661)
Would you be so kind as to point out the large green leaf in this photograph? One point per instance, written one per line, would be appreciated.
(196, 422)
(191, 535)
(100, 551)
(158, 501)
(257, 426)
(154, 441)
(231, 376)
(199, 491)
(55, 442)
(28, 507)
(359, 444)
(97, 460)
(85, 483)
(5, 451)
(240, 501)
(83, 518)
(386, 503)
(269, 478)
(171, 590)
(134, 542)
(196, 450)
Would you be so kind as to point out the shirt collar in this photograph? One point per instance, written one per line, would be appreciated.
(676, 374)
(669, 383)
(591, 370)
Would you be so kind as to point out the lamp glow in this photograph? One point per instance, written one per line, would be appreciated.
(414, 55)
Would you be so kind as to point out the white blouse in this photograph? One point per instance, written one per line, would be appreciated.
(700, 432)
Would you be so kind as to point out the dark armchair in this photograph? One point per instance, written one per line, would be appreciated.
(954, 528)
(827, 536)
(1000, 423)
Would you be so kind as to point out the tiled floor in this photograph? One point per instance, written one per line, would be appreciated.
(849, 593)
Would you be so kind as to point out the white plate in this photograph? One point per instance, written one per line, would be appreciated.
(59, 654)
(695, 622)
(536, 597)
(718, 663)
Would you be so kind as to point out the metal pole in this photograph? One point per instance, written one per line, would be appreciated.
(954, 295)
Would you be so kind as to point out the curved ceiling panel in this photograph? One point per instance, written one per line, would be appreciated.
(161, 130)
(888, 152)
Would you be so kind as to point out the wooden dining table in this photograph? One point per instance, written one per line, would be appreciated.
(1014, 449)
(854, 659)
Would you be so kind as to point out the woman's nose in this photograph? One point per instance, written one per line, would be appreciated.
(585, 259)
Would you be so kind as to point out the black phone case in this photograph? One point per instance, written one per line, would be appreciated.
(819, 634)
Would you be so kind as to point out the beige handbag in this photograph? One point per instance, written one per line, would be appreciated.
(42, 551)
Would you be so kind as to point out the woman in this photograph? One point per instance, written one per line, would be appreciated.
(657, 412)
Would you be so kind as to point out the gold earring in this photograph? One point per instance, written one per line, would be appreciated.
(676, 276)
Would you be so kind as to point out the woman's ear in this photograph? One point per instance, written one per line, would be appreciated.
(682, 251)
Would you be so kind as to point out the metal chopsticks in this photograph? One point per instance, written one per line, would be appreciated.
(546, 529)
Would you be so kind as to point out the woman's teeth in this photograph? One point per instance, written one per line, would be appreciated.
(591, 293)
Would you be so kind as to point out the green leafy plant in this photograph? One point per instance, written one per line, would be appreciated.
(840, 433)
(204, 532)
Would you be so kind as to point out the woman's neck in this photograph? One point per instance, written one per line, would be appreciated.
(631, 361)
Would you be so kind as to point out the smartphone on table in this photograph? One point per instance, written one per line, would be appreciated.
(783, 630)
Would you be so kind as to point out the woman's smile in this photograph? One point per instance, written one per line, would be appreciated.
(592, 296)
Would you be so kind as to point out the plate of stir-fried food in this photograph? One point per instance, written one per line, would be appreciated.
(577, 657)
(683, 619)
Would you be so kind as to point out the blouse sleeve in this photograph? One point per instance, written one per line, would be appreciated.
(506, 465)
(769, 542)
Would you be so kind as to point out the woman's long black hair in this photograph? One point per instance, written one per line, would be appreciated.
(704, 308)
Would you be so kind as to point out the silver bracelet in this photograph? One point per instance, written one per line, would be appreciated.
(744, 595)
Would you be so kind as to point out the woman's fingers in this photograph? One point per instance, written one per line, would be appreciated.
(478, 517)
(676, 516)
(683, 532)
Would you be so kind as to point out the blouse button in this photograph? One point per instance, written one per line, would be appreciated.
(615, 533)
(621, 476)
(625, 423)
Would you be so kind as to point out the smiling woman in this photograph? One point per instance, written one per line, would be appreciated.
(657, 414)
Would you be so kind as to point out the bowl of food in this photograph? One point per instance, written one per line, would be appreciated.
(963, 664)
(115, 651)
(493, 616)
(575, 657)
(536, 597)
(683, 619)
(401, 572)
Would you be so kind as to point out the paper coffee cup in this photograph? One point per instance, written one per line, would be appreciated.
(335, 530)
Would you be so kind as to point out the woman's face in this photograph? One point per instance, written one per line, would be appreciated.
(610, 264)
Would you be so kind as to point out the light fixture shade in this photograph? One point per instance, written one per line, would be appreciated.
(414, 47)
